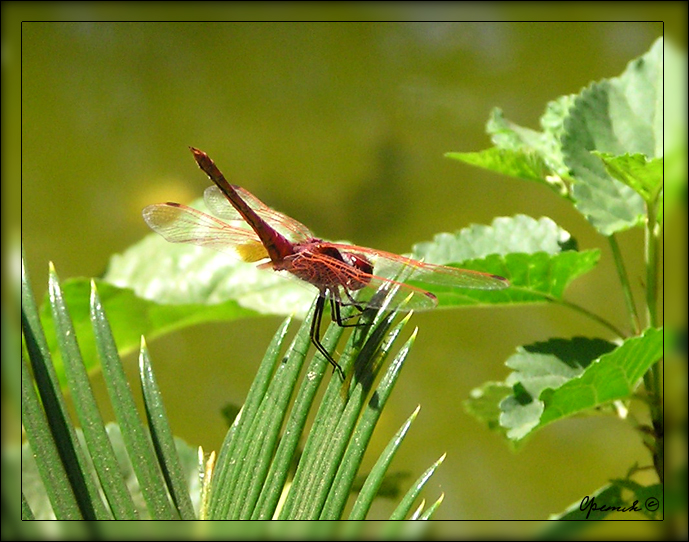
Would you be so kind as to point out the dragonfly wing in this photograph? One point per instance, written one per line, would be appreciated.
(403, 269)
(181, 224)
(220, 206)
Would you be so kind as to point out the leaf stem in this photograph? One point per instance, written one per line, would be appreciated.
(652, 378)
(624, 281)
(593, 316)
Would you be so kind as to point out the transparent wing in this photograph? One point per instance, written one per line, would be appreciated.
(181, 224)
(221, 207)
(388, 265)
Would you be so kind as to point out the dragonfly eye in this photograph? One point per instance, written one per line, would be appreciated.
(360, 264)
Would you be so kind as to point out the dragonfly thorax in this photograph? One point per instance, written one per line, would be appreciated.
(326, 267)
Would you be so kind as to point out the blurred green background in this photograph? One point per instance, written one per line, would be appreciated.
(343, 126)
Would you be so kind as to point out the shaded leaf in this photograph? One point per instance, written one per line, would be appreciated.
(560, 378)
(616, 116)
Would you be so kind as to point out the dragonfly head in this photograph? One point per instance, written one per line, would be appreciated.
(361, 264)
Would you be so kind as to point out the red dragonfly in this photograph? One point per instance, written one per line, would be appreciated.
(337, 270)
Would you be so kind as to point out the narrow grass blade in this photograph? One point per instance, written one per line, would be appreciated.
(220, 496)
(264, 434)
(70, 451)
(99, 445)
(375, 478)
(233, 466)
(27, 513)
(134, 433)
(53, 474)
(335, 421)
(432, 508)
(294, 427)
(351, 460)
(163, 440)
(408, 500)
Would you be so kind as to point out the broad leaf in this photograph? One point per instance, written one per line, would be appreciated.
(560, 378)
(644, 176)
(524, 153)
(534, 255)
(616, 116)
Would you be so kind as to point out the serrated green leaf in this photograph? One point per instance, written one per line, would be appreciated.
(505, 235)
(524, 153)
(566, 377)
(522, 164)
(508, 135)
(534, 255)
(617, 116)
(644, 176)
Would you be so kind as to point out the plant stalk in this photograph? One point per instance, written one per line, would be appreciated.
(624, 281)
(593, 316)
(653, 377)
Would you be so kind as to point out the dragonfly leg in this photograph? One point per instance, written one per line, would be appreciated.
(315, 335)
(352, 302)
(336, 315)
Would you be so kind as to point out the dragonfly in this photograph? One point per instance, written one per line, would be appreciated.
(344, 274)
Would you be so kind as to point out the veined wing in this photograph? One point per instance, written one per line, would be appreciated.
(220, 206)
(403, 269)
(178, 223)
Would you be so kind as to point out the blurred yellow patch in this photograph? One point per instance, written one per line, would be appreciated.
(252, 251)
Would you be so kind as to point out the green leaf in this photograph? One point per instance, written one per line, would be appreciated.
(536, 256)
(505, 235)
(184, 274)
(524, 153)
(156, 287)
(484, 403)
(560, 378)
(644, 176)
(522, 164)
(546, 144)
(618, 116)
